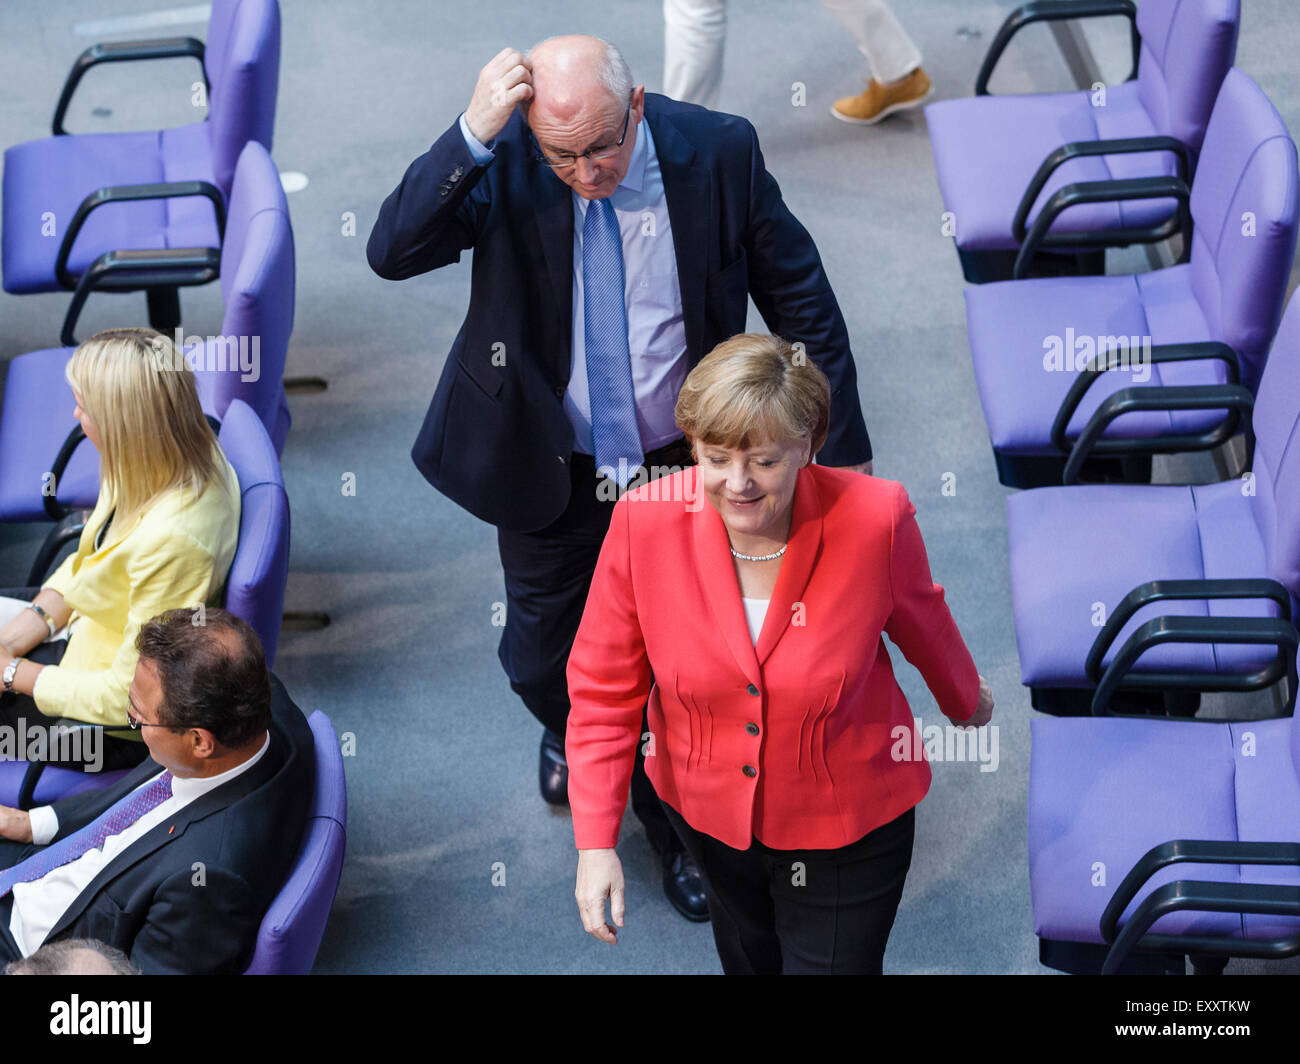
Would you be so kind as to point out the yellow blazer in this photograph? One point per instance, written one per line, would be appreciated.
(175, 554)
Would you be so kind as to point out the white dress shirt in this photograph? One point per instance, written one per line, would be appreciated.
(656, 330)
(38, 906)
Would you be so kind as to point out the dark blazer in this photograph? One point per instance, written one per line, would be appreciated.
(150, 902)
(495, 439)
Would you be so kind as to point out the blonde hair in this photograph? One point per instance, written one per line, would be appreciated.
(142, 398)
(755, 387)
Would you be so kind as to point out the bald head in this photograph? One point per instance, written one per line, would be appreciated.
(583, 100)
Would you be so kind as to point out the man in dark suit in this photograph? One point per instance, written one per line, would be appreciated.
(177, 863)
(616, 238)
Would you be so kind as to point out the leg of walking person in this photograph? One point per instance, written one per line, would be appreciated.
(740, 901)
(695, 32)
(835, 908)
(548, 575)
(897, 80)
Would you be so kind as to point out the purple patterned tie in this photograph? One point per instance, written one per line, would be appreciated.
(112, 821)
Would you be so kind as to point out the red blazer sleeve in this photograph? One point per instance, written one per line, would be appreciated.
(921, 625)
(609, 681)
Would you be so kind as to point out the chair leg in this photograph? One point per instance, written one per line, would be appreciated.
(304, 620)
(1203, 965)
(305, 385)
(164, 309)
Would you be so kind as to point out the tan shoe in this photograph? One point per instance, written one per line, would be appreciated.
(869, 107)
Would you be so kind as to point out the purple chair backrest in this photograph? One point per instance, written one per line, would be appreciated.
(1276, 465)
(255, 586)
(1245, 206)
(291, 931)
(1187, 48)
(242, 60)
(257, 284)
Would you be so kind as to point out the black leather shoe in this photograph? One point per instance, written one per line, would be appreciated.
(685, 888)
(553, 770)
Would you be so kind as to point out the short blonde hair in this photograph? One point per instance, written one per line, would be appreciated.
(751, 388)
(153, 436)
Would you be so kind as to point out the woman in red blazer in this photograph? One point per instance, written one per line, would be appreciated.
(746, 597)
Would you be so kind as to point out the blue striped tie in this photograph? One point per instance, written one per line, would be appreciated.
(609, 362)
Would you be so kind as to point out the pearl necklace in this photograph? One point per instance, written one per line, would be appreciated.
(757, 557)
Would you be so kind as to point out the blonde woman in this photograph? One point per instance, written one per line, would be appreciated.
(161, 536)
(747, 598)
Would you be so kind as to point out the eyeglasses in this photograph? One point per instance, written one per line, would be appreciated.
(604, 151)
(135, 724)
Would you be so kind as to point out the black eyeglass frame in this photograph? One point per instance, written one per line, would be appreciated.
(591, 154)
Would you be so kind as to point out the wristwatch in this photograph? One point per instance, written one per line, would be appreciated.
(11, 670)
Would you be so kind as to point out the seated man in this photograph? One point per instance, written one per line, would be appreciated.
(176, 863)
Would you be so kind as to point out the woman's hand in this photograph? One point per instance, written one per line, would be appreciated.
(600, 875)
(983, 711)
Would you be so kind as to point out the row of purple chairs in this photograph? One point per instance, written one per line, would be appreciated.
(1131, 599)
(158, 211)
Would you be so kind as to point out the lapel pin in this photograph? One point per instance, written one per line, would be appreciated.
(171, 829)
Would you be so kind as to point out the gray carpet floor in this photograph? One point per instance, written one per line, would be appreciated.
(442, 785)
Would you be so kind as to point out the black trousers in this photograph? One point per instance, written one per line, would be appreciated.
(788, 912)
(548, 574)
(116, 753)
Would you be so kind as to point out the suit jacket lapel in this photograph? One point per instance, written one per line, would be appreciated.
(687, 190)
(553, 216)
(174, 827)
(796, 566)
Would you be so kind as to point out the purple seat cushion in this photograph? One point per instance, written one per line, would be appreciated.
(1011, 325)
(1101, 794)
(1109, 790)
(36, 419)
(988, 148)
(1072, 548)
(55, 174)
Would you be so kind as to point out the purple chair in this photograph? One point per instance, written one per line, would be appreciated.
(1040, 347)
(1167, 588)
(292, 929)
(254, 588)
(143, 210)
(39, 438)
(1001, 160)
(1151, 840)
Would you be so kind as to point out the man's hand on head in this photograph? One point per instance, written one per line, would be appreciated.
(506, 81)
(15, 824)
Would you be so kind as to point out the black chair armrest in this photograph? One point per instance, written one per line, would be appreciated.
(1243, 631)
(68, 528)
(1231, 397)
(1192, 851)
(1125, 190)
(27, 789)
(121, 51)
(126, 194)
(1193, 895)
(1112, 361)
(1079, 149)
(1173, 591)
(1054, 11)
(132, 270)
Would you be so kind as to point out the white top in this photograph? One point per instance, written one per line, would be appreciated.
(38, 906)
(755, 611)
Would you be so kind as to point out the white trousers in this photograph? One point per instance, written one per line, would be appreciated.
(696, 30)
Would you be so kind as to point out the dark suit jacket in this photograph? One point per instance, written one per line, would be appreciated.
(495, 439)
(150, 902)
